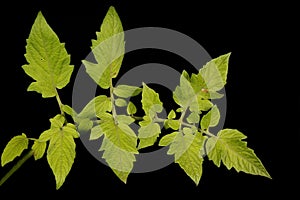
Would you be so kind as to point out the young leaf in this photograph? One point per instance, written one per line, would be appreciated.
(96, 132)
(211, 118)
(131, 109)
(39, 149)
(14, 148)
(49, 62)
(126, 91)
(151, 103)
(171, 115)
(148, 135)
(229, 148)
(119, 160)
(186, 149)
(108, 50)
(120, 102)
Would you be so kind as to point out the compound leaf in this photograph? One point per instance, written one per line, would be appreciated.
(14, 148)
(49, 62)
(229, 148)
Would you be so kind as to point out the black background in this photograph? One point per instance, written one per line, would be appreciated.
(260, 101)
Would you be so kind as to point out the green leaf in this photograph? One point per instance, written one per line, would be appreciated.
(186, 75)
(184, 95)
(146, 120)
(126, 91)
(125, 119)
(96, 132)
(172, 115)
(131, 108)
(49, 62)
(120, 102)
(119, 160)
(214, 73)
(229, 148)
(173, 124)
(61, 150)
(14, 148)
(187, 131)
(186, 149)
(108, 50)
(119, 134)
(203, 105)
(84, 124)
(96, 107)
(151, 103)
(179, 110)
(39, 149)
(61, 155)
(211, 118)
(148, 135)
(193, 118)
(167, 139)
(69, 110)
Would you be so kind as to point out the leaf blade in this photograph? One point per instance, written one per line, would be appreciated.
(39, 149)
(108, 50)
(14, 148)
(48, 60)
(119, 160)
(229, 149)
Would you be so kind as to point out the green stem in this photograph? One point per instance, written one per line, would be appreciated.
(59, 102)
(138, 118)
(181, 119)
(16, 166)
(186, 124)
(208, 133)
(157, 119)
(114, 112)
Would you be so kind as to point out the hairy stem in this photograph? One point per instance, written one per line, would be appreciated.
(16, 167)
